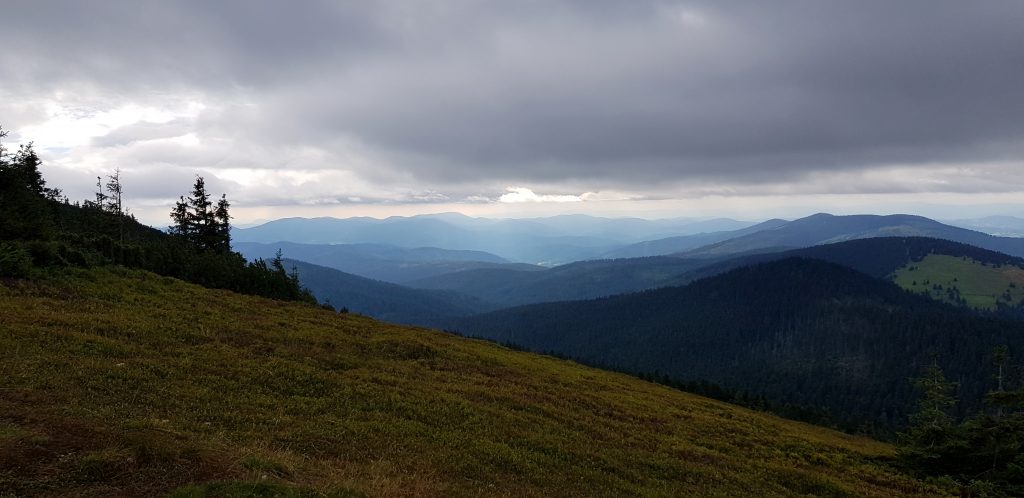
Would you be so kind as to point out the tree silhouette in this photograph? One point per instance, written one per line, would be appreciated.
(196, 220)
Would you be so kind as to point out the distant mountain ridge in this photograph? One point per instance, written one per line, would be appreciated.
(826, 228)
(579, 280)
(876, 256)
(549, 241)
(382, 262)
(1005, 226)
(670, 245)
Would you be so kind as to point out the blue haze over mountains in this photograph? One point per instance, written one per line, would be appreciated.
(601, 256)
(544, 241)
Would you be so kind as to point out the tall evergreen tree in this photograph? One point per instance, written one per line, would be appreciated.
(223, 224)
(200, 223)
(182, 223)
(23, 194)
(933, 441)
(114, 191)
(201, 216)
(28, 163)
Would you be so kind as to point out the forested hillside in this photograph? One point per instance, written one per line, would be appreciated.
(580, 280)
(879, 257)
(386, 301)
(798, 331)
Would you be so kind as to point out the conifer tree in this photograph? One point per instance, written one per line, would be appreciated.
(932, 441)
(28, 163)
(23, 195)
(201, 215)
(196, 220)
(114, 191)
(223, 224)
(182, 226)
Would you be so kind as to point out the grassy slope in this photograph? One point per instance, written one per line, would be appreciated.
(981, 285)
(114, 382)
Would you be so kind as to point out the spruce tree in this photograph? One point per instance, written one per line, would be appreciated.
(23, 195)
(933, 442)
(196, 220)
(182, 226)
(114, 191)
(28, 163)
(222, 220)
(201, 216)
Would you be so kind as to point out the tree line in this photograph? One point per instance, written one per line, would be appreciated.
(41, 229)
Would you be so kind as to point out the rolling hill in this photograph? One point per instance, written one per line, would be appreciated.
(879, 257)
(670, 245)
(797, 330)
(580, 280)
(383, 300)
(122, 383)
(942, 269)
(826, 228)
(382, 262)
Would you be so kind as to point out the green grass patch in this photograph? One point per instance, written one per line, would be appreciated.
(962, 280)
(137, 385)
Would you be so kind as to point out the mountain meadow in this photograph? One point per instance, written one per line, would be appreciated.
(118, 382)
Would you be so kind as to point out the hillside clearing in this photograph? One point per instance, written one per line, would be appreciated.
(947, 278)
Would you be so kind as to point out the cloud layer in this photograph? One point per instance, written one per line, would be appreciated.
(418, 102)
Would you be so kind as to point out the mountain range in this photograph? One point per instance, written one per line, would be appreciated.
(487, 277)
(382, 262)
(826, 228)
(548, 241)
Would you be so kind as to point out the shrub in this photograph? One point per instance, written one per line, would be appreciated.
(15, 261)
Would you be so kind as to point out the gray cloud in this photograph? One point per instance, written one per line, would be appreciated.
(450, 98)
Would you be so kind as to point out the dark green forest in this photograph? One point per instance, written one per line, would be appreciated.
(820, 342)
(800, 332)
(41, 229)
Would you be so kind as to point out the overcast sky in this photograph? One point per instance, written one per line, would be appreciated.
(748, 109)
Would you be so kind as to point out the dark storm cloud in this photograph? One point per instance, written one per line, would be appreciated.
(627, 93)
